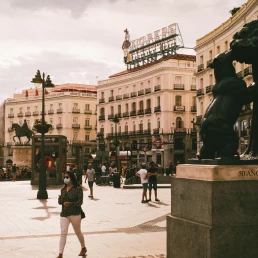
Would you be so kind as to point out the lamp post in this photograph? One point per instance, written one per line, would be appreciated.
(42, 192)
(102, 148)
(116, 142)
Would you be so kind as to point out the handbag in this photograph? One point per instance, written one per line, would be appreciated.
(82, 214)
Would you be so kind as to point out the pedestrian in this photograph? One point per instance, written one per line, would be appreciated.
(91, 176)
(152, 180)
(142, 173)
(14, 170)
(77, 173)
(170, 169)
(103, 169)
(71, 199)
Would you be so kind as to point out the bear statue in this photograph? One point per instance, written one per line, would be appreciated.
(230, 93)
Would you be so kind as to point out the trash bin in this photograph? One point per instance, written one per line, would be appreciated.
(116, 180)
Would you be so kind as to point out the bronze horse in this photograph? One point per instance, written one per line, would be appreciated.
(20, 132)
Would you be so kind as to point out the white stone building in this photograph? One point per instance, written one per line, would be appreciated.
(156, 101)
(216, 42)
(70, 108)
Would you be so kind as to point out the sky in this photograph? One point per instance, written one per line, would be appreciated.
(80, 41)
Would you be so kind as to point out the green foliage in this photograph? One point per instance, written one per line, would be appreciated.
(234, 10)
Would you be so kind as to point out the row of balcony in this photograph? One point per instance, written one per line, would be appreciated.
(142, 112)
(50, 112)
(147, 132)
(142, 92)
(247, 71)
(208, 90)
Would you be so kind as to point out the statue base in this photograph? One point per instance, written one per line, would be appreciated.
(22, 155)
(213, 212)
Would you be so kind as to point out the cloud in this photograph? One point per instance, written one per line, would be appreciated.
(77, 8)
(61, 67)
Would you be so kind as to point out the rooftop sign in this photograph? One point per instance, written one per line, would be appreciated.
(152, 47)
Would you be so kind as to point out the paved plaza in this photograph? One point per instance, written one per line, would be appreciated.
(117, 224)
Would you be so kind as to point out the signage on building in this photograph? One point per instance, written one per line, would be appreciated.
(179, 108)
(152, 47)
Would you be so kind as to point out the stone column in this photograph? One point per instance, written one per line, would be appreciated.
(214, 212)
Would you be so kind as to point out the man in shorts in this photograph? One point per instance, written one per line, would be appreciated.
(152, 175)
(90, 175)
(142, 173)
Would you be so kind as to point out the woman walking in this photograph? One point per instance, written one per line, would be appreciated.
(71, 199)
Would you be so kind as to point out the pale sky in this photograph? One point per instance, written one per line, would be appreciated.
(78, 41)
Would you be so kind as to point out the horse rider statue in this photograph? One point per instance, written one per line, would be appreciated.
(21, 131)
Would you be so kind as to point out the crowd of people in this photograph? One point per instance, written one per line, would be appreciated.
(14, 172)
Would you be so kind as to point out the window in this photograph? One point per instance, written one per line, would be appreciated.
(111, 93)
(194, 101)
(148, 103)
(75, 105)
(134, 106)
(11, 110)
(226, 45)
(158, 123)
(127, 89)
(60, 105)
(218, 50)
(112, 129)
(178, 80)
(126, 127)
(193, 80)
(158, 81)
(87, 107)
(179, 122)
(60, 120)
(87, 122)
(134, 87)
(112, 110)
(134, 127)
(20, 109)
(141, 105)
(149, 125)
(211, 79)
(75, 136)
(28, 109)
(201, 60)
(119, 109)
(158, 101)
(126, 108)
(102, 130)
(201, 83)
(87, 137)
(102, 95)
(178, 101)
(119, 91)
(36, 108)
(141, 126)
(102, 111)
(210, 55)
(75, 120)
(141, 86)
(51, 121)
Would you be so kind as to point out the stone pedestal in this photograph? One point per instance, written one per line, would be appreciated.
(214, 212)
(22, 155)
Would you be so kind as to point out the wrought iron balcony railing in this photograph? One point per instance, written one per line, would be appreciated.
(179, 86)
(157, 88)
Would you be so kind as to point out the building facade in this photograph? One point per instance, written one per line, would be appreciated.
(212, 44)
(69, 108)
(155, 105)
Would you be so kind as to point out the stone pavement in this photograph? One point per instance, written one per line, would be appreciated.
(117, 224)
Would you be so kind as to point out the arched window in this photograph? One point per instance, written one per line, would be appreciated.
(141, 126)
(179, 122)
(149, 125)
(148, 103)
(141, 105)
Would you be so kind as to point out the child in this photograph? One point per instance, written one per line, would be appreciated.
(90, 175)
(142, 173)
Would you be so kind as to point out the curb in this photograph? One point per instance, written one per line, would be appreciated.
(139, 186)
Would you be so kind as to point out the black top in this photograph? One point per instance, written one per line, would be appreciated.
(152, 170)
(75, 196)
(14, 168)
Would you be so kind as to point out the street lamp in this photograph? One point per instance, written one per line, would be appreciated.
(42, 192)
(116, 142)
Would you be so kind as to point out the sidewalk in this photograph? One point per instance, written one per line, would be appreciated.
(117, 224)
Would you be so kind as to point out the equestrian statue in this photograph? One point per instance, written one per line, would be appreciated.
(22, 131)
